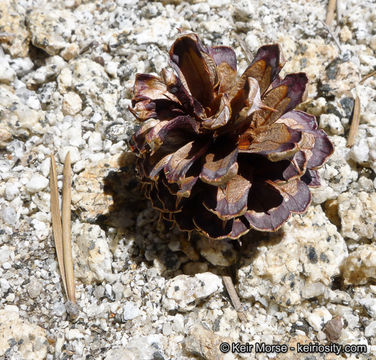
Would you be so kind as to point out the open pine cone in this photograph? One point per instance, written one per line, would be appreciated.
(221, 154)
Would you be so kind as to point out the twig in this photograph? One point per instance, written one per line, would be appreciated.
(333, 36)
(56, 220)
(330, 12)
(227, 281)
(66, 226)
(365, 77)
(354, 123)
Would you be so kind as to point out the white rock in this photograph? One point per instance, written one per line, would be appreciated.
(71, 51)
(31, 338)
(51, 29)
(360, 266)
(312, 290)
(182, 291)
(333, 122)
(73, 136)
(7, 74)
(64, 80)
(4, 285)
(206, 343)
(220, 253)
(137, 348)
(318, 317)
(53, 66)
(22, 66)
(331, 183)
(349, 316)
(120, 353)
(178, 324)
(9, 215)
(5, 135)
(13, 23)
(309, 245)
(216, 25)
(360, 151)
(59, 309)
(111, 68)
(130, 311)
(209, 284)
(79, 166)
(36, 183)
(72, 334)
(33, 102)
(370, 305)
(6, 265)
(252, 41)
(34, 288)
(357, 212)
(370, 330)
(219, 3)
(19, 117)
(41, 229)
(154, 32)
(72, 103)
(91, 252)
(95, 141)
(92, 82)
(45, 167)
(6, 254)
(73, 152)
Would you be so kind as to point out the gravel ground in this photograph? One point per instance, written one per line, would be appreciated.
(66, 75)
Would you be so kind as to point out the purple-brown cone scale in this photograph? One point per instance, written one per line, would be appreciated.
(220, 153)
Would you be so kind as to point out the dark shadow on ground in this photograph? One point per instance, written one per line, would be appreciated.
(132, 215)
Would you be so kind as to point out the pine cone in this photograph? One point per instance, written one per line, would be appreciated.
(221, 154)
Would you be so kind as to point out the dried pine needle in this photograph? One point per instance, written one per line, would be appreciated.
(227, 281)
(330, 12)
(365, 77)
(56, 220)
(66, 226)
(354, 123)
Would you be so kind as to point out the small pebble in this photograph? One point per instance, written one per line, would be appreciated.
(34, 288)
(36, 183)
(73, 152)
(333, 328)
(370, 330)
(95, 142)
(318, 317)
(8, 215)
(130, 311)
(72, 103)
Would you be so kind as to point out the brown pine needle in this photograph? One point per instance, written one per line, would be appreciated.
(354, 123)
(365, 77)
(227, 281)
(66, 226)
(56, 220)
(330, 12)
